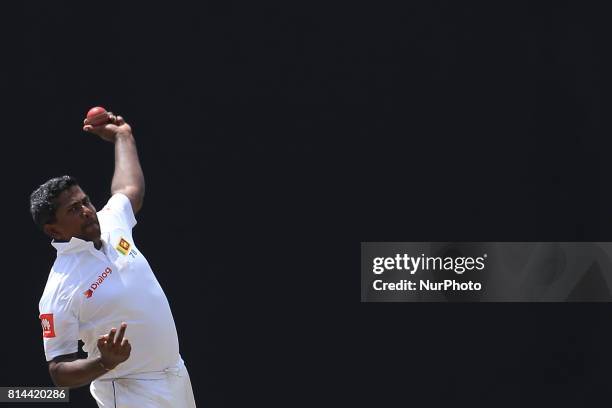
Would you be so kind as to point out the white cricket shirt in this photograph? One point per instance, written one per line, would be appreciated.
(89, 291)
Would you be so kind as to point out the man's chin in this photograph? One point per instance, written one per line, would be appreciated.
(91, 233)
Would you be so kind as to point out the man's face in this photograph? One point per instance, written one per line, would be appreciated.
(75, 217)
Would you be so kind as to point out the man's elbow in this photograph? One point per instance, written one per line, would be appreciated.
(57, 380)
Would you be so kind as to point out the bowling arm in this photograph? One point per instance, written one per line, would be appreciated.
(128, 177)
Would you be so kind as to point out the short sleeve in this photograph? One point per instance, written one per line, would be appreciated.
(60, 326)
(117, 213)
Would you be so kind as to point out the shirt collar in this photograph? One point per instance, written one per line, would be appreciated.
(75, 245)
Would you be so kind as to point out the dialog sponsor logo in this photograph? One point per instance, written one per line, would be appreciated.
(95, 285)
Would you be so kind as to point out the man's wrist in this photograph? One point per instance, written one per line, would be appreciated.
(124, 135)
(104, 366)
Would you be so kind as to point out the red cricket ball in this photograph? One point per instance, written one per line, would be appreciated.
(97, 116)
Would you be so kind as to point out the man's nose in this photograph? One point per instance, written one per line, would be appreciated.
(86, 211)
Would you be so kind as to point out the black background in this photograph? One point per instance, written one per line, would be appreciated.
(275, 137)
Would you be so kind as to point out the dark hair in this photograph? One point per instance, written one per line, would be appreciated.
(43, 200)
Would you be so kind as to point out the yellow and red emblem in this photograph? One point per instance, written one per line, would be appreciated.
(123, 246)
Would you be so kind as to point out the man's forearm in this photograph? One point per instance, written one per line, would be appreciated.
(77, 373)
(128, 177)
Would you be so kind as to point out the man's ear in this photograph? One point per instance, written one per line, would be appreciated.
(52, 231)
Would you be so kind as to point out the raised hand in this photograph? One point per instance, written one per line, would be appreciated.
(109, 130)
(114, 350)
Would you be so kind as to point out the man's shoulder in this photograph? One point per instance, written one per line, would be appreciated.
(64, 278)
(117, 213)
(67, 265)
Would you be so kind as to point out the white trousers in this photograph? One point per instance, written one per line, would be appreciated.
(170, 388)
